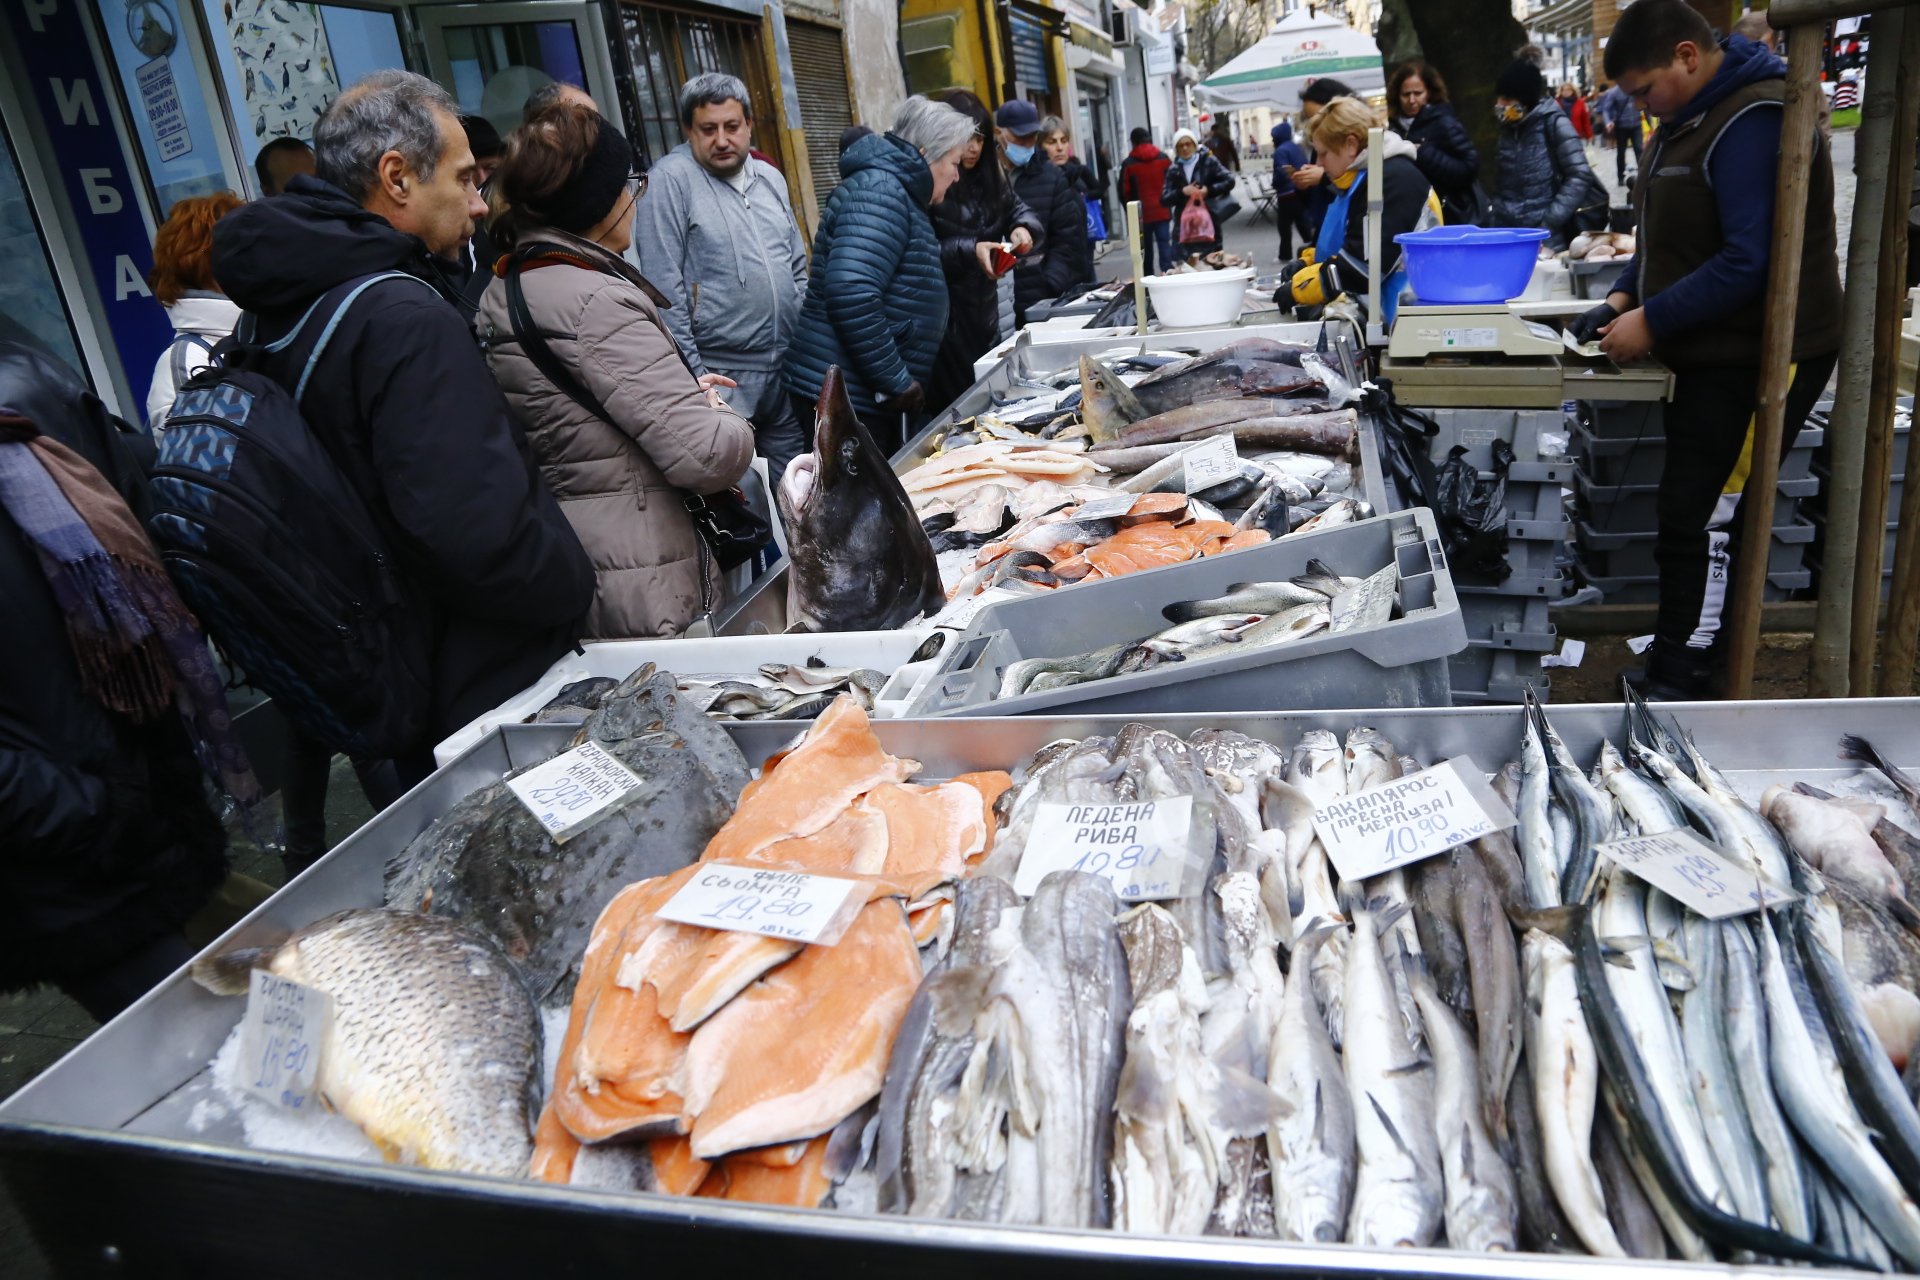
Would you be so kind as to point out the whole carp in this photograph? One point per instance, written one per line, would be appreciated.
(861, 561)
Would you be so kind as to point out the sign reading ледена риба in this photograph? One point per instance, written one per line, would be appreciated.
(282, 1037)
(1410, 818)
(1142, 848)
(573, 790)
(795, 905)
(1696, 873)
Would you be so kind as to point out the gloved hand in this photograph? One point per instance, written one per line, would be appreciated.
(1586, 326)
(1313, 286)
(1293, 268)
(911, 401)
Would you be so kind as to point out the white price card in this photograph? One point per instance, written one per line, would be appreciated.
(1142, 847)
(282, 1039)
(1682, 865)
(574, 790)
(1410, 818)
(1213, 461)
(960, 614)
(1109, 506)
(769, 901)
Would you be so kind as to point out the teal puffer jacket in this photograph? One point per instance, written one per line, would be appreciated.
(877, 299)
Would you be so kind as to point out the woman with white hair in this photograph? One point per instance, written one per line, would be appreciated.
(1195, 175)
(877, 298)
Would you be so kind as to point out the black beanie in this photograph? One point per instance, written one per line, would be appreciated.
(1522, 82)
(590, 195)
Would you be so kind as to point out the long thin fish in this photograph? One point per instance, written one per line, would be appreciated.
(1312, 1148)
(1787, 1192)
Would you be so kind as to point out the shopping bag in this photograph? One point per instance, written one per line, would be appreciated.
(1196, 224)
(1096, 220)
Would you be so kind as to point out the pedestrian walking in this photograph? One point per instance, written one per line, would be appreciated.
(1220, 142)
(1057, 263)
(1691, 295)
(1143, 176)
(1576, 108)
(1421, 114)
(182, 282)
(1196, 175)
(1289, 205)
(1544, 179)
(1620, 122)
(717, 237)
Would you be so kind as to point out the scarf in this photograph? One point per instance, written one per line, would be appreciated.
(139, 650)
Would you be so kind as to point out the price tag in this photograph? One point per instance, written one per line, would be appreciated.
(1369, 603)
(282, 1040)
(1108, 507)
(1142, 847)
(960, 614)
(768, 901)
(574, 790)
(1213, 461)
(1682, 865)
(1410, 818)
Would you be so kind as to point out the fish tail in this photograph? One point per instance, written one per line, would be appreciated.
(1560, 922)
(231, 972)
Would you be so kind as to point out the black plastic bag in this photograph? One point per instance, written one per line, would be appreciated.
(1472, 514)
(1406, 437)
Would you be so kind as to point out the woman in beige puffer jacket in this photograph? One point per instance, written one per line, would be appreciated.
(620, 478)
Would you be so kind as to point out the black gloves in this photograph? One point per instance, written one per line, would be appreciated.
(1587, 325)
(1293, 268)
(911, 401)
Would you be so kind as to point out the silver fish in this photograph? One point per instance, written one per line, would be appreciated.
(1714, 1071)
(1493, 972)
(1318, 773)
(1538, 857)
(1099, 664)
(1248, 597)
(1312, 1149)
(1482, 1206)
(1788, 1195)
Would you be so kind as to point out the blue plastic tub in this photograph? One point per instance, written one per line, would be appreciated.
(1470, 264)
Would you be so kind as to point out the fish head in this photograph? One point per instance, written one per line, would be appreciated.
(842, 449)
(1107, 405)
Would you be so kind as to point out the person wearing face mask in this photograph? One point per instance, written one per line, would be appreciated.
(1195, 175)
(877, 299)
(1443, 150)
(661, 431)
(1058, 261)
(1545, 179)
(1337, 263)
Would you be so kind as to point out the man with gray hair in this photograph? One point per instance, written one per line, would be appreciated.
(492, 582)
(715, 233)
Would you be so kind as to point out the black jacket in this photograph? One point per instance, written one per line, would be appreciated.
(404, 399)
(962, 220)
(107, 842)
(1447, 156)
(1059, 260)
(1208, 172)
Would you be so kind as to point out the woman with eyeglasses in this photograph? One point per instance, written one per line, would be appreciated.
(622, 429)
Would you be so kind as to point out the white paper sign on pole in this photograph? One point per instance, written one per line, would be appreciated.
(1143, 848)
(1410, 818)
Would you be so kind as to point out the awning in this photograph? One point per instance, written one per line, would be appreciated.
(1300, 48)
(1563, 17)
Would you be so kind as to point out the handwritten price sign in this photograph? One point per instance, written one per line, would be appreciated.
(1213, 461)
(1410, 818)
(1688, 868)
(282, 1040)
(573, 790)
(772, 903)
(1141, 848)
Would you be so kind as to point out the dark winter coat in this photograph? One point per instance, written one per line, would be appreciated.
(1143, 176)
(1059, 261)
(107, 843)
(967, 216)
(1545, 178)
(1447, 156)
(877, 299)
(404, 401)
(1207, 172)
(1287, 154)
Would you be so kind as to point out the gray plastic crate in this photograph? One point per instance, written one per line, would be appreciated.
(1524, 623)
(1624, 419)
(1631, 462)
(1645, 589)
(1538, 530)
(1483, 675)
(1630, 555)
(1593, 281)
(1541, 448)
(1612, 508)
(1400, 663)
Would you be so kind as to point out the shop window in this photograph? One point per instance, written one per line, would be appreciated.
(29, 294)
(670, 47)
(164, 100)
(496, 66)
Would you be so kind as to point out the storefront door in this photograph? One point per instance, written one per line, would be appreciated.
(492, 56)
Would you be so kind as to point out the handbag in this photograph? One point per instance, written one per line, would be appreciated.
(1096, 220)
(1222, 210)
(729, 527)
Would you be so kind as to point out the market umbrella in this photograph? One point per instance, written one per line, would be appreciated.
(1301, 47)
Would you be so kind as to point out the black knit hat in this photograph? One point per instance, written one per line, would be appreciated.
(1522, 82)
(590, 195)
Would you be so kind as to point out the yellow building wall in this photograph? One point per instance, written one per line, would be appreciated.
(972, 62)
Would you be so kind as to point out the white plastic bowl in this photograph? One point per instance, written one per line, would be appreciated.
(1195, 299)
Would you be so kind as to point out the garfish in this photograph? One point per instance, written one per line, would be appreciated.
(860, 560)
(1538, 858)
(434, 1050)
(1854, 747)
(1788, 1196)
(1397, 1193)
(1636, 1223)
(1106, 405)
(1590, 811)
(1713, 1071)
(1482, 1206)
(1312, 1147)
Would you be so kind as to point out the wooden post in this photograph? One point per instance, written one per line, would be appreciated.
(1903, 607)
(1776, 352)
(1889, 300)
(1138, 253)
(1835, 643)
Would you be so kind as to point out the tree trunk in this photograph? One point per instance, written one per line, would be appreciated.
(1395, 35)
(1469, 42)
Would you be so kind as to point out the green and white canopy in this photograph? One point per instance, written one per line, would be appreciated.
(1300, 48)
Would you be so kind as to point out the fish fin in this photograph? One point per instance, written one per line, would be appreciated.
(1676, 974)
(1243, 1107)
(1386, 914)
(1393, 1130)
(231, 972)
(1563, 923)
(1808, 789)
(1856, 748)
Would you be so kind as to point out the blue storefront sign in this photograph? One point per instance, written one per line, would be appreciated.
(74, 99)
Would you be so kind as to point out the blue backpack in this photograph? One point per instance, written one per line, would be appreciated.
(279, 556)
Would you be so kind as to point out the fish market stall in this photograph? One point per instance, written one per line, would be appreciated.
(1204, 1102)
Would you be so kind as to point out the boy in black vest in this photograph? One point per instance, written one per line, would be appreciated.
(1692, 297)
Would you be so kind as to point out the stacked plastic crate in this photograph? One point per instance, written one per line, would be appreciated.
(1620, 448)
(1508, 626)
(1902, 425)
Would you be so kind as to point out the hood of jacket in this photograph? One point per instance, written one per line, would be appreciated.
(274, 254)
(1744, 62)
(1537, 112)
(211, 315)
(1283, 133)
(891, 154)
(1145, 151)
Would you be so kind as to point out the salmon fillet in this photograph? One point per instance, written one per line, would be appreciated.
(676, 1170)
(1243, 539)
(803, 1184)
(1154, 506)
(928, 828)
(801, 1049)
(855, 843)
(699, 970)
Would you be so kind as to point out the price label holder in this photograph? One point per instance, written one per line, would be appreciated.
(575, 789)
(1683, 866)
(795, 905)
(1144, 848)
(1109, 506)
(282, 1039)
(1213, 461)
(960, 614)
(1401, 822)
(1369, 603)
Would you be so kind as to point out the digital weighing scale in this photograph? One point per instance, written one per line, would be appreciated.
(1492, 356)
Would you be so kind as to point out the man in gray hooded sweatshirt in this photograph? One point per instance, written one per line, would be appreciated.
(716, 234)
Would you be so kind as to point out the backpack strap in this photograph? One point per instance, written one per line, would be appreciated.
(533, 340)
(177, 363)
(333, 322)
